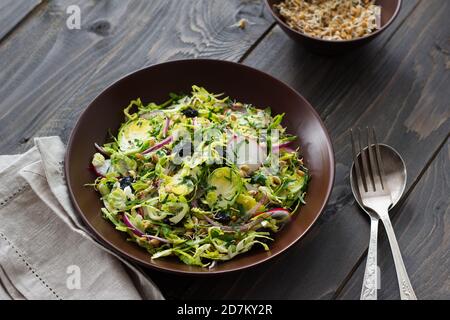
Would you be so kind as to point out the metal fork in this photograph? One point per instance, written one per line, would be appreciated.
(369, 285)
(375, 196)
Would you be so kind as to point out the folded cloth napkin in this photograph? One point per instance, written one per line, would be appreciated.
(45, 251)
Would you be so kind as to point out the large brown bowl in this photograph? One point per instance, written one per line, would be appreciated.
(155, 83)
(389, 11)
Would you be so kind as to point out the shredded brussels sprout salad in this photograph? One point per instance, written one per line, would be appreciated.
(200, 177)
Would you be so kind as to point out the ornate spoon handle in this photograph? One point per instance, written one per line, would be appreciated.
(406, 290)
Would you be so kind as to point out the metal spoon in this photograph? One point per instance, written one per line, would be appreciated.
(395, 170)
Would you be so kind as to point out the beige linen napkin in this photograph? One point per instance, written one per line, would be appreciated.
(45, 251)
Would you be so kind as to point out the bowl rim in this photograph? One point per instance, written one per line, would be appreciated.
(124, 253)
(280, 21)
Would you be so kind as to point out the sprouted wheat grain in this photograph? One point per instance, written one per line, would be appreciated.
(331, 19)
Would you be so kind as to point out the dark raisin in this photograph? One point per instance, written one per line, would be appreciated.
(126, 182)
(222, 217)
(190, 113)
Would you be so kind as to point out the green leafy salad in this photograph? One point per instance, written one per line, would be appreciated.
(200, 177)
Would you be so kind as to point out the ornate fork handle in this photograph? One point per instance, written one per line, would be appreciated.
(369, 288)
(406, 290)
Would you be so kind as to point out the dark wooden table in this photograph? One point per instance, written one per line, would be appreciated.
(400, 83)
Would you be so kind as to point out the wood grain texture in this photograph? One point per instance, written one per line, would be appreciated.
(12, 12)
(392, 84)
(423, 233)
(50, 73)
(399, 83)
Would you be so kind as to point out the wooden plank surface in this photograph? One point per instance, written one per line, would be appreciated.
(12, 12)
(423, 233)
(50, 73)
(399, 84)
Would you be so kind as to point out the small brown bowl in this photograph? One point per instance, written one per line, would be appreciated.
(389, 11)
(240, 82)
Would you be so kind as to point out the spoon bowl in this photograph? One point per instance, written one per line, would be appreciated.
(395, 172)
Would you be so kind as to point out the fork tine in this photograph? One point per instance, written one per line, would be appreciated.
(373, 163)
(358, 175)
(365, 169)
(379, 160)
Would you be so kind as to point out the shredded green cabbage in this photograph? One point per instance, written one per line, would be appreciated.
(200, 177)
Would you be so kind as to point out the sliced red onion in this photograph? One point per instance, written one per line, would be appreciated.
(284, 145)
(242, 228)
(101, 150)
(281, 215)
(214, 223)
(159, 145)
(149, 236)
(249, 225)
(237, 107)
(102, 170)
(91, 167)
(288, 149)
(128, 223)
(277, 213)
(166, 127)
(260, 203)
(139, 233)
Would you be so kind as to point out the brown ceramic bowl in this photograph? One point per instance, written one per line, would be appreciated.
(389, 11)
(154, 84)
